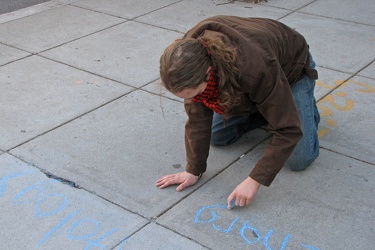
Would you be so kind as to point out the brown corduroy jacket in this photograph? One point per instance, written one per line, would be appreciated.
(273, 57)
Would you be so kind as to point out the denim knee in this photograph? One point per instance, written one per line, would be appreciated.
(225, 133)
(301, 163)
(224, 137)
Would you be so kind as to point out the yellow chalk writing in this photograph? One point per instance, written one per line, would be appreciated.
(328, 104)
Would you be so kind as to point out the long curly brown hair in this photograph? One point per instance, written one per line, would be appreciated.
(184, 64)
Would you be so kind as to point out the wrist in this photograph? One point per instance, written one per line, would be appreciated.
(252, 181)
(197, 175)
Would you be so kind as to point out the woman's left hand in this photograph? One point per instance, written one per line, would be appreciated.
(244, 193)
(182, 179)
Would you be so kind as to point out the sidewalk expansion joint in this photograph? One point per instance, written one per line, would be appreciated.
(346, 155)
(182, 235)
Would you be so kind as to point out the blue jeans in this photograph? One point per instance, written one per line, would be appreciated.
(306, 150)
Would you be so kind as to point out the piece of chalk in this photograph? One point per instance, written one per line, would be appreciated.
(233, 203)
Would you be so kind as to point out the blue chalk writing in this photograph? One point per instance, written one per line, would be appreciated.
(88, 236)
(309, 247)
(245, 228)
(55, 228)
(84, 237)
(213, 213)
(96, 243)
(39, 187)
(51, 203)
(3, 180)
(256, 232)
(266, 239)
(213, 218)
(230, 228)
(39, 213)
(285, 242)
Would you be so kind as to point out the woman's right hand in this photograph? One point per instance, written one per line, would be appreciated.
(182, 179)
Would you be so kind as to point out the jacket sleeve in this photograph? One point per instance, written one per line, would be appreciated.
(273, 97)
(197, 136)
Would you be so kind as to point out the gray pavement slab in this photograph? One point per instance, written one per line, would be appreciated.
(66, 1)
(32, 10)
(9, 6)
(157, 237)
(53, 27)
(287, 4)
(104, 152)
(175, 17)
(38, 94)
(120, 53)
(124, 9)
(70, 111)
(9, 54)
(325, 37)
(42, 213)
(314, 209)
(347, 120)
(369, 71)
(344, 10)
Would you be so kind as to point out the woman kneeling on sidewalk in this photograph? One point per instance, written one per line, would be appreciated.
(236, 74)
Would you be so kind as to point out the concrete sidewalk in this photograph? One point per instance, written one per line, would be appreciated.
(86, 131)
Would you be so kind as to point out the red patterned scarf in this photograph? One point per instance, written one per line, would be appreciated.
(210, 96)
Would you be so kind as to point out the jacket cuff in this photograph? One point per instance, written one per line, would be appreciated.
(197, 171)
(262, 176)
